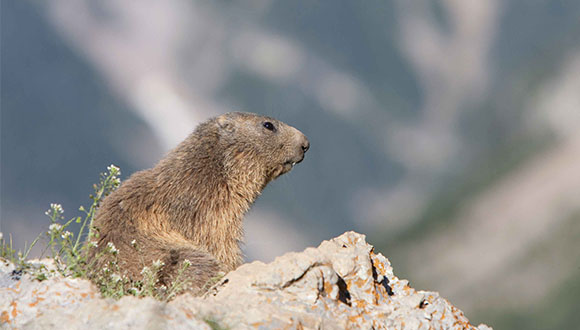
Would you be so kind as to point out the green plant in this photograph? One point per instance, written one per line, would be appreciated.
(70, 252)
(7, 251)
(18, 258)
(214, 324)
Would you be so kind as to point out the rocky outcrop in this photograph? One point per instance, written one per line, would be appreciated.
(341, 284)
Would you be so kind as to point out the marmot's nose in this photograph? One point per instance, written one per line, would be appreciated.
(305, 145)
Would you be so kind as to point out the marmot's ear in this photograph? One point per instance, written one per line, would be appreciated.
(225, 124)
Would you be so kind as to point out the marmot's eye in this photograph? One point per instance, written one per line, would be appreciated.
(269, 126)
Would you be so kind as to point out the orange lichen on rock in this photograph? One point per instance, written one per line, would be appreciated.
(14, 309)
(38, 299)
(5, 317)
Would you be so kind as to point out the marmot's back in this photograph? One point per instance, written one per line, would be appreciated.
(191, 204)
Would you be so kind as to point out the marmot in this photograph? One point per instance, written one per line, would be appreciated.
(191, 204)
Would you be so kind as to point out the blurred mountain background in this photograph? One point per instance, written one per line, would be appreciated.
(447, 131)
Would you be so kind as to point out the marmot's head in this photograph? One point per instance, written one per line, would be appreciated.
(261, 143)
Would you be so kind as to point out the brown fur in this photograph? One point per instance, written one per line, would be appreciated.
(191, 204)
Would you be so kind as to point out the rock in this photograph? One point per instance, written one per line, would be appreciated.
(341, 284)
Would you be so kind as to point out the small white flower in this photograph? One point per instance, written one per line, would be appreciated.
(112, 248)
(145, 270)
(66, 234)
(186, 263)
(1, 235)
(133, 291)
(114, 170)
(158, 263)
(54, 228)
(56, 207)
(92, 244)
(134, 243)
(116, 181)
(116, 278)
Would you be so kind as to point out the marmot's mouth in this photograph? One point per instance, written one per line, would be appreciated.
(292, 162)
(289, 164)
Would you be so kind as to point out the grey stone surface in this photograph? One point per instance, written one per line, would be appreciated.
(342, 284)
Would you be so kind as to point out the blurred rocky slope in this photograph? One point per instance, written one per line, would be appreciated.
(342, 284)
(434, 125)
